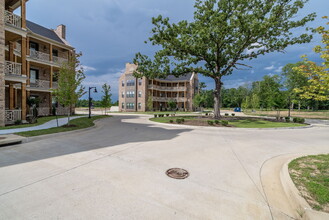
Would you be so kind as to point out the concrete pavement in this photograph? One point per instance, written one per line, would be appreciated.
(117, 171)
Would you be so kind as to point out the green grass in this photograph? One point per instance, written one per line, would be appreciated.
(80, 123)
(41, 121)
(243, 123)
(156, 113)
(258, 123)
(312, 173)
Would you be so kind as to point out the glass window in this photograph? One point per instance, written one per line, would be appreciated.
(123, 94)
(140, 82)
(139, 105)
(140, 94)
(123, 83)
(123, 105)
(34, 75)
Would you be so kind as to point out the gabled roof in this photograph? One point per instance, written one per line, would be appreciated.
(45, 32)
(173, 78)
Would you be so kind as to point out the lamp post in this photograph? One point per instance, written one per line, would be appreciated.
(95, 91)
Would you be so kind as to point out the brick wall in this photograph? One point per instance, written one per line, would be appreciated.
(2, 62)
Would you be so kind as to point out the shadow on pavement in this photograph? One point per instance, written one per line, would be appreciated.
(110, 132)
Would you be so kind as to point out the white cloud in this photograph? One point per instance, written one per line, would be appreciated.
(235, 83)
(279, 69)
(88, 68)
(269, 67)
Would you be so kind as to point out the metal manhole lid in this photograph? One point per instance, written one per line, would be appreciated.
(177, 173)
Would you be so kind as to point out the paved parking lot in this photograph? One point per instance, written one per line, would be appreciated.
(117, 171)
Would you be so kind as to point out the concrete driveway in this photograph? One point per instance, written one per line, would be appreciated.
(117, 171)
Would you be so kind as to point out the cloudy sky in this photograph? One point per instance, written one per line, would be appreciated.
(110, 32)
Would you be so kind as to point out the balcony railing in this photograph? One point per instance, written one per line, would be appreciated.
(12, 68)
(55, 85)
(165, 88)
(40, 84)
(59, 60)
(166, 99)
(18, 48)
(37, 55)
(12, 115)
(13, 20)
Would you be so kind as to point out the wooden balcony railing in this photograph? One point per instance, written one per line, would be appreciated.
(166, 99)
(37, 55)
(12, 19)
(166, 88)
(12, 68)
(59, 60)
(41, 84)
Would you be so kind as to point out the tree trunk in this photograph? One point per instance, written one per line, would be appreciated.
(217, 97)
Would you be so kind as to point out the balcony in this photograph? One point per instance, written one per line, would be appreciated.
(13, 69)
(165, 88)
(37, 55)
(17, 49)
(13, 20)
(166, 99)
(59, 60)
(40, 84)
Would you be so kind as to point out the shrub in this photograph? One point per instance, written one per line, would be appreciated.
(226, 114)
(299, 120)
(161, 115)
(224, 122)
(210, 122)
(233, 114)
(155, 116)
(183, 120)
(167, 115)
(18, 122)
(206, 114)
(287, 119)
(178, 121)
(173, 115)
(216, 122)
(171, 121)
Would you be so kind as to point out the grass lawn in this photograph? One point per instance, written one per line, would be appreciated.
(79, 123)
(311, 176)
(243, 123)
(321, 114)
(41, 121)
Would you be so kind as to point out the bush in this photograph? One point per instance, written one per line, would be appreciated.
(210, 122)
(206, 114)
(226, 114)
(155, 116)
(216, 122)
(179, 121)
(183, 120)
(298, 120)
(173, 115)
(287, 119)
(161, 115)
(233, 114)
(224, 122)
(167, 115)
(18, 122)
(171, 121)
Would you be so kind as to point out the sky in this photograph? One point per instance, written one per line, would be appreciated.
(110, 32)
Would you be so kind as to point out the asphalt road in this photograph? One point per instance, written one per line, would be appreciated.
(117, 171)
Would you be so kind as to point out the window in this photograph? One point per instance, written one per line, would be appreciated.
(140, 94)
(139, 105)
(123, 94)
(131, 82)
(34, 46)
(123, 83)
(123, 105)
(55, 53)
(130, 94)
(140, 82)
(130, 105)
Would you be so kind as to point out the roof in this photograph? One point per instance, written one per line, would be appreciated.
(172, 78)
(45, 32)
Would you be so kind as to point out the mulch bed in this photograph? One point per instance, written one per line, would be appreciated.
(69, 126)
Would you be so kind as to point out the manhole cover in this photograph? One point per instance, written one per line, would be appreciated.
(177, 173)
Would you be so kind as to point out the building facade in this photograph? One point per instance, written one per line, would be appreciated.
(142, 94)
(30, 57)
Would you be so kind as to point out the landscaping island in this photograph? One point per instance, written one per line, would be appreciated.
(75, 124)
(311, 177)
(227, 121)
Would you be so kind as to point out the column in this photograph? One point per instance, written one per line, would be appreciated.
(51, 77)
(24, 51)
(50, 104)
(23, 14)
(23, 101)
(11, 51)
(185, 96)
(11, 97)
(50, 52)
(2, 63)
(28, 72)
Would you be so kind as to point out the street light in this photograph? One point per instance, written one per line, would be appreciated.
(95, 91)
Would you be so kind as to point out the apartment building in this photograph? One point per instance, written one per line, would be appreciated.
(134, 94)
(30, 57)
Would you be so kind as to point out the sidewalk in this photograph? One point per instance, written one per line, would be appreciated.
(49, 124)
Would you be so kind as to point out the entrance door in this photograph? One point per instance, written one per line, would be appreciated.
(34, 75)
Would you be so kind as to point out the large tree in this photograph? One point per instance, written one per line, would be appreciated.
(222, 35)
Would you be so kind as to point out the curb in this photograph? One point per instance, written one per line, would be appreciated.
(295, 199)
(46, 136)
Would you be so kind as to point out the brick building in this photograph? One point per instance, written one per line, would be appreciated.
(30, 57)
(134, 94)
